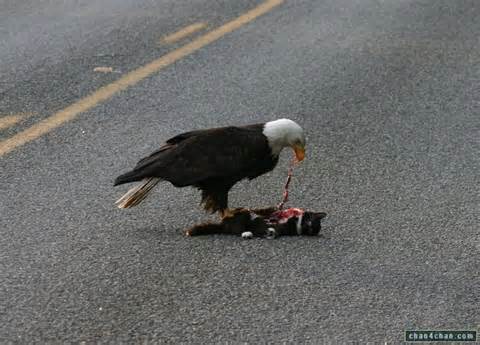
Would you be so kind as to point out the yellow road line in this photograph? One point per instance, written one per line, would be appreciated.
(10, 120)
(188, 30)
(131, 78)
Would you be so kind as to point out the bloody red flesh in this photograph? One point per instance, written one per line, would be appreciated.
(285, 190)
(282, 216)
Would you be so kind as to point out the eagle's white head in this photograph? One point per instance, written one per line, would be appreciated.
(285, 133)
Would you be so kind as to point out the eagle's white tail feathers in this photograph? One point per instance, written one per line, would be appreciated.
(135, 195)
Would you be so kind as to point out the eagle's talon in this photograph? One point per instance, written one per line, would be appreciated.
(226, 213)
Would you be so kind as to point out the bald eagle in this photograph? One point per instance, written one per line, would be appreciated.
(214, 160)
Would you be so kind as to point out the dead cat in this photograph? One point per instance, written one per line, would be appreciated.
(267, 222)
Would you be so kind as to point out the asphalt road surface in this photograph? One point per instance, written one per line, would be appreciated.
(389, 94)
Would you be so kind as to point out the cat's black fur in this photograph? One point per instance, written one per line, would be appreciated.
(256, 221)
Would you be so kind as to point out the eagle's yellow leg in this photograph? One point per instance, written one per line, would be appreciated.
(225, 213)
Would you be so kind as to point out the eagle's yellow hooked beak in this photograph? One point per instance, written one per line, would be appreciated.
(299, 152)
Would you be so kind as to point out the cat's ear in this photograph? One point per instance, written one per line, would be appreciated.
(314, 223)
(320, 215)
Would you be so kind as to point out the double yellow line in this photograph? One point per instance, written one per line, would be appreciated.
(131, 78)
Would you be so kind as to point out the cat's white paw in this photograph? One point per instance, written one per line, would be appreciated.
(271, 233)
(247, 234)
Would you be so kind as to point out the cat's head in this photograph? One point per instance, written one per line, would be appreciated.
(311, 223)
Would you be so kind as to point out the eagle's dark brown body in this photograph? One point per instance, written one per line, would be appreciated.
(211, 160)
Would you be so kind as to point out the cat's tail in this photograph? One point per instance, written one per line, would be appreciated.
(206, 229)
(136, 195)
